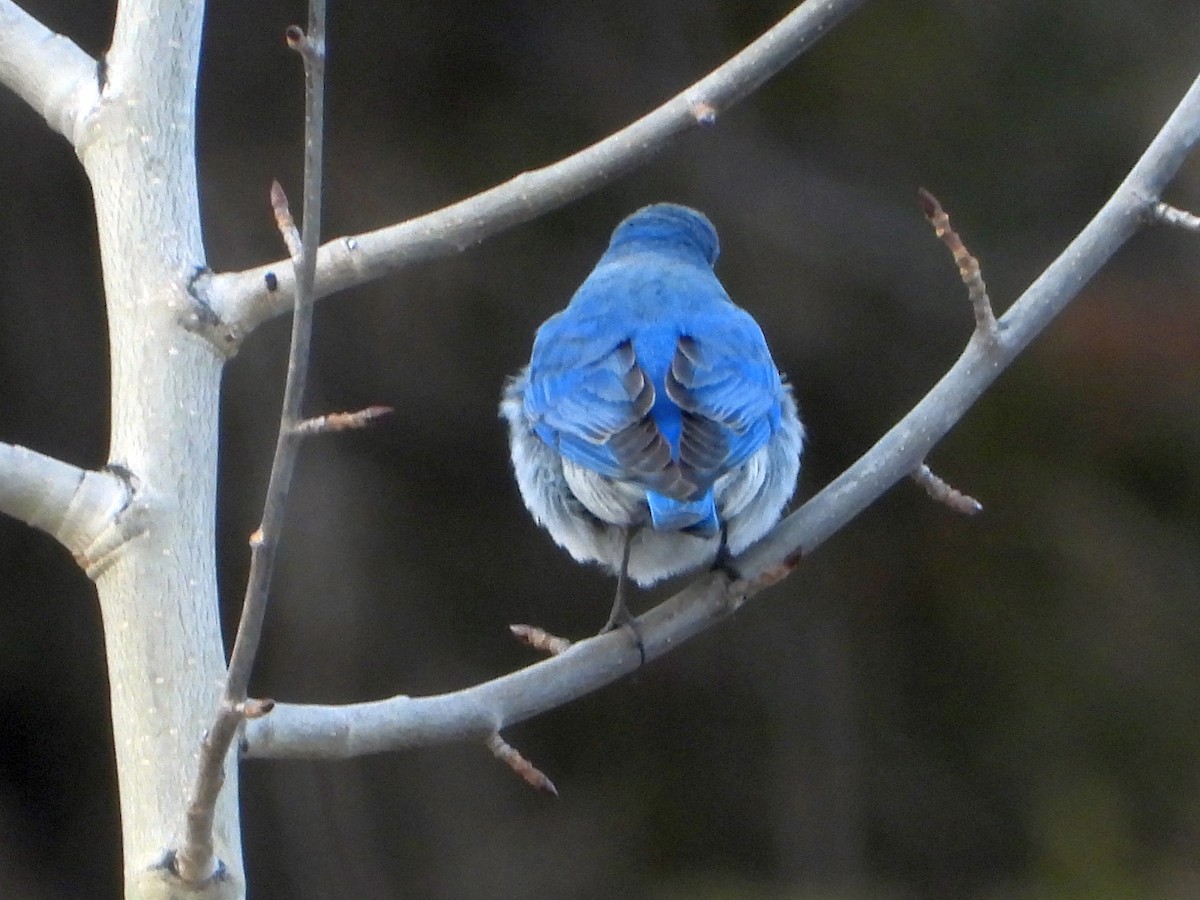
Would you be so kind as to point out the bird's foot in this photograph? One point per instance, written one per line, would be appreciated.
(621, 617)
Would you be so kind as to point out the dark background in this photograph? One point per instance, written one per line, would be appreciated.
(1000, 707)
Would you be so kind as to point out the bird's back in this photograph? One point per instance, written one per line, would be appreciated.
(652, 400)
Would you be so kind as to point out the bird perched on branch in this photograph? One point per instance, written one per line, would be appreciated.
(651, 431)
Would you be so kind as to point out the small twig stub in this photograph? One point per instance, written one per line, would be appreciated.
(342, 421)
(1176, 217)
(705, 113)
(942, 492)
(968, 265)
(284, 221)
(252, 708)
(539, 639)
(511, 757)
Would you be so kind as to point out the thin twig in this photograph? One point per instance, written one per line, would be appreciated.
(245, 299)
(1177, 218)
(511, 757)
(337, 732)
(939, 490)
(342, 421)
(968, 265)
(194, 862)
(540, 639)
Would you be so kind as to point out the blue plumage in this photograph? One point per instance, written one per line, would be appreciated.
(651, 410)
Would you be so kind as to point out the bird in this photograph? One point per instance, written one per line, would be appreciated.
(651, 431)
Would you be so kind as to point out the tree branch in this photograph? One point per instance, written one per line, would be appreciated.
(244, 300)
(296, 730)
(475, 713)
(48, 71)
(194, 861)
(79, 508)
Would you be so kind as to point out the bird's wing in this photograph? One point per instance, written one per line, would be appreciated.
(724, 380)
(588, 396)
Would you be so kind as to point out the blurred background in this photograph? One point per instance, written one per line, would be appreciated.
(932, 706)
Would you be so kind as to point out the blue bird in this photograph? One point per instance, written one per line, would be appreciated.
(651, 430)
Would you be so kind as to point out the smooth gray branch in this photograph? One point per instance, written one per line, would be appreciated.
(80, 508)
(48, 71)
(475, 713)
(310, 731)
(244, 300)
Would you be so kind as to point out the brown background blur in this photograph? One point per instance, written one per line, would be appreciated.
(1002, 707)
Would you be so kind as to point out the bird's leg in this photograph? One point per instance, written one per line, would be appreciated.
(620, 614)
(724, 561)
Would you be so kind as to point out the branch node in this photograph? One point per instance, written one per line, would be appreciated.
(200, 318)
(772, 575)
(511, 757)
(968, 266)
(219, 883)
(539, 639)
(342, 421)
(307, 47)
(254, 708)
(704, 113)
(130, 521)
(1175, 217)
(939, 490)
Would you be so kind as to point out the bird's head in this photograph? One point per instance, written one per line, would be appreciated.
(667, 226)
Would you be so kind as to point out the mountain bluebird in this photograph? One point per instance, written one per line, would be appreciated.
(651, 431)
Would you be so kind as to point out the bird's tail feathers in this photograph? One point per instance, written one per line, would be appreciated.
(694, 516)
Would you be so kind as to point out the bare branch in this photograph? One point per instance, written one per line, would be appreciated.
(939, 490)
(295, 730)
(968, 265)
(1178, 218)
(245, 646)
(529, 773)
(48, 71)
(245, 299)
(474, 713)
(81, 509)
(194, 861)
(908, 443)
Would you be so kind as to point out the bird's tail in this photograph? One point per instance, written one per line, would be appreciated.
(697, 517)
